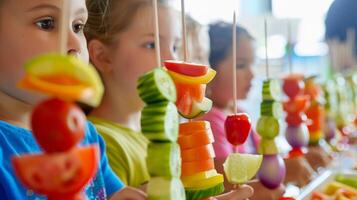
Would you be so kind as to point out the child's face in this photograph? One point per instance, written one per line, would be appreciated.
(222, 85)
(134, 53)
(29, 28)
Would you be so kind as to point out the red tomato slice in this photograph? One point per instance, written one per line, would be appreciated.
(58, 174)
(296, 105)
(189, 69)
(293, 85)
(295, 119)
(57, 125)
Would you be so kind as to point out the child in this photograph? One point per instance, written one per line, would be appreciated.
(27, 29)
(122, 48)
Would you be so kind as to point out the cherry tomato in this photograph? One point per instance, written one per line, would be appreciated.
(293, 85)
(295, 119)
(57, 125)
(59, 174)
(189, 69)
(237, 128)
(296, 105)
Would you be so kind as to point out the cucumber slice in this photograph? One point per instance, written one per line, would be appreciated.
(268, 147)
(201, 193)
(272, 90)
(160, 122)
(198, 109)
(156, 86)
(161, 188)
(164, 160)
(271, 108)
(268, 127)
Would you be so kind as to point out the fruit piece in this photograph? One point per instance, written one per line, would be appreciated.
(195, 139)
(272, 171)
(57, 125)
(240, 168)
(203, 183)
(237, 128)
(188, 128)
(193, 80)
(312, 89)
(201, 193)
(159, 122)
(297, 136)
(191, 168)
(332, 187)
(296, 152)
(319, 196)
(164, 159)
(271, 108)
(268, 147)
(189, 69)
(316, 115)
(297, 105)
(268, 127)
(64, 77)
(199, 176)
(161, 188)
(156, 86)
(295, 119)
(198, 153)
(195, 109)
(195, 91)
(57, 174)
(347, 180)
(271, 90)
(293, 85)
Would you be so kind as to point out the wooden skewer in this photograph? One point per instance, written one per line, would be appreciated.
(266, 47)
(156, 29)
(234, 57)
(64, 27)
(290, 49)
(184, 31)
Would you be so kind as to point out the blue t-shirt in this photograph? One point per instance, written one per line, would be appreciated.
(17, 141)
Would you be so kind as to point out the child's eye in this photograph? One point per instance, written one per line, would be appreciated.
(77, 28)
(46, 23)
(150, 45)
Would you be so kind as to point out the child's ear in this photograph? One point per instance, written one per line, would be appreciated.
(99, 56)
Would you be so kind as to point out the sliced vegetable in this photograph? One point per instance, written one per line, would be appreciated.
(193, 80)
(195, 139)
(57, 174)
(65, 77)
(159, 122)
(268, 127)
(185, 68)
(198, 153)
(162, 188)
(199, 176)
(201, 193)
(271, 90)
(164, 159)
(271, 108)
(293, 85)
(188, 128)
(268, 147)
(58, 125)
(297, 105)
(191, 168)
(156, 86)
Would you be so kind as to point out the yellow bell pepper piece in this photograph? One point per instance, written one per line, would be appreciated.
(203, 183)
(193, 80)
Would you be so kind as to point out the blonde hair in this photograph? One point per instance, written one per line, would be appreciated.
(107, 18)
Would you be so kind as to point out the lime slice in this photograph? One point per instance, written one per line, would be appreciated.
(240, 168)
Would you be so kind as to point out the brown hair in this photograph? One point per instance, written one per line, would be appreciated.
(109, 17)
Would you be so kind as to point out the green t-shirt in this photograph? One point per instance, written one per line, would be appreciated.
(126, 151)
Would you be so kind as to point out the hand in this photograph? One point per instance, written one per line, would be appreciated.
(129, 193)
(262, 192)
(298, 171)
(241, 193)
(317, 157)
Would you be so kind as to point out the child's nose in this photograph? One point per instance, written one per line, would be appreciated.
(168, 55)
(74, 44)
